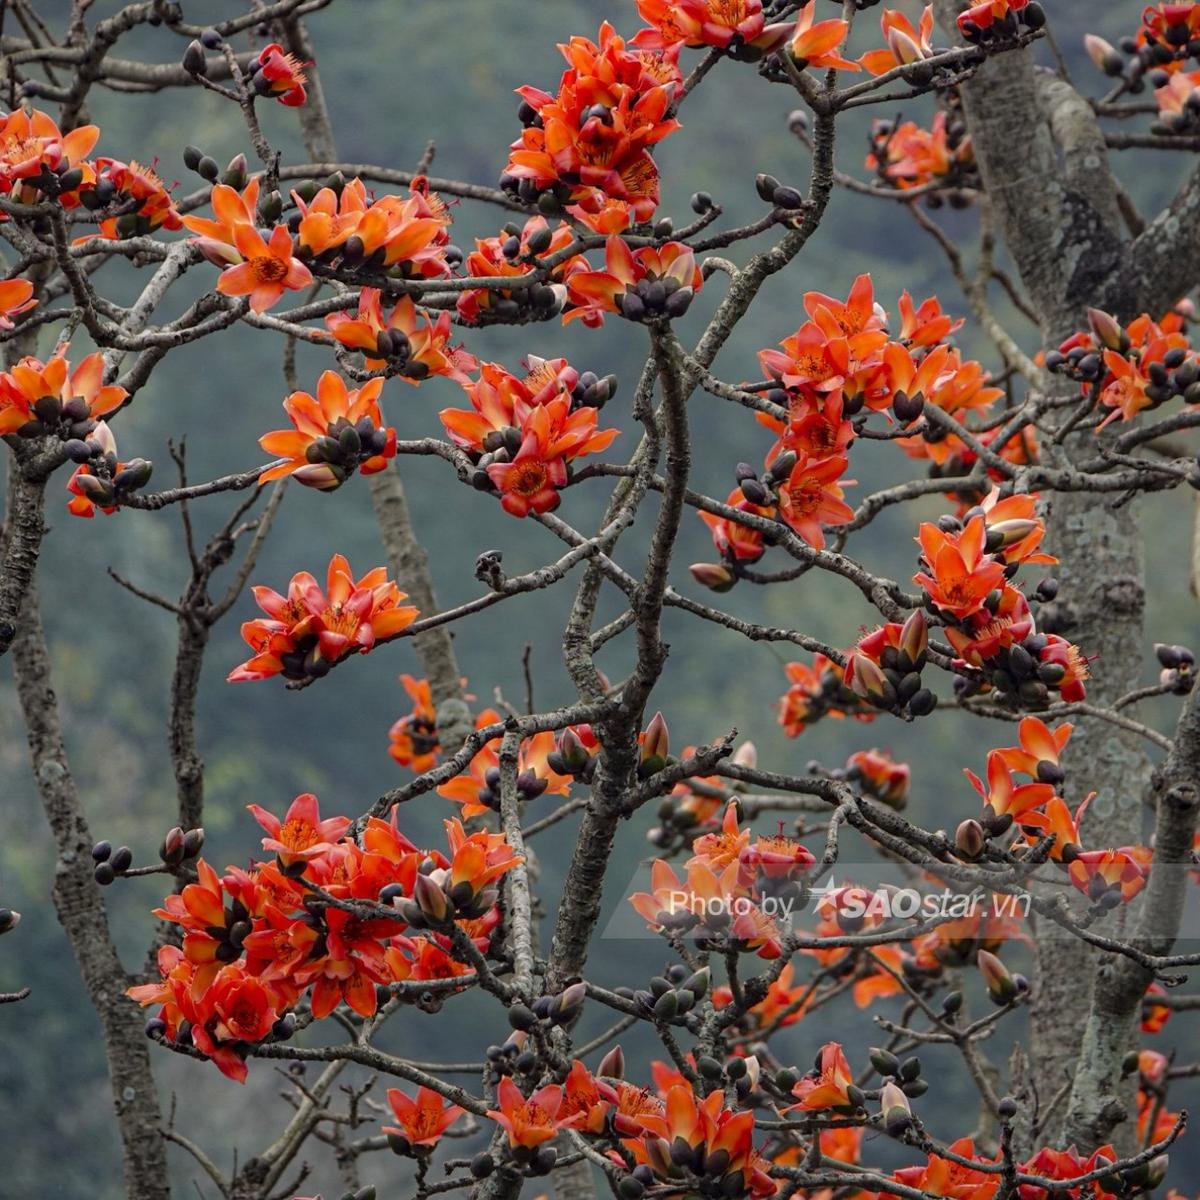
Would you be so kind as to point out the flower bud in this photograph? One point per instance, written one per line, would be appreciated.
(9, 920)
(895, 1110)
(325, 477)
(1106, 329)
(903, 47)
(1001, 986)
(714, 576)
(612, 1065)
(914, 638)
(194, 61)
(869, 682)
(171, 851)
(432, 900)
(569, 1003)
(655, 746)
(970, 839)
(1103, 54)
(884, 1061)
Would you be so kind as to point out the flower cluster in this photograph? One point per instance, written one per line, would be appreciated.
(413, 739)
(341, 224)
(1106, 876)
(333, 434)
(1129, 369)
(841, 365)
(819, 690)
(586, 148)
(731, 883)
(968, 564)
(305, 632)
(522, 433)
(327, 920)
(999, 20)
(408, 343)
(905, 156)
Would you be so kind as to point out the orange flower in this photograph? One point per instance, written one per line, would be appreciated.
(652, 281)
(478, 790)
(1058, 820)
(353, 963)
(477, 861)
(309, 629)
(941, 1177)
(280, 75)
(531, 1122)
(700, 22)
(409, 343)
(962, 574)
(880, 776)
(414, 738)
(735, 542)
(1040, 753)
(422, 1120)
(1002, 796)
(814, 45)
(818, 691)
(334, 434)
(16, 296)
(811, 498)
(981, 17)
(30, 143)
(826, 1086)
(265, 270)
(1110, 877)
(231, 208)
(133, 187)
(515, 251)
(58, 399)
(301, 836)
(906, 44)
(101, 482)
(588, 1096)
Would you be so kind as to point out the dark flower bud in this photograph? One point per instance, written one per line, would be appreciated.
(907, 408)
(104, 874)
(788, 198)
(612, 1065)
(193, 843)
(482, 1165)
(631, 1188)
(709, 1068)
(701, 202)
(766, 186)
(102, 851)
(884, 1061)
(121, 860)
(544, 1159)
(211, 38)
(194, 62)
(9, 920)
(171, 850)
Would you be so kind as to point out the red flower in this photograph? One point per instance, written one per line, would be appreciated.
(699, 22)
(281, 75)
(263, 270)
(941, 1177)
(906, 44)
(811, 498)
(408, 342)
(962, 574)
(1110, 877)
(531, 1122)
(301, 836)
(30, 143)
(307, 630)
(413, 739)
(983, 16)
(235, 1010)
(735, 542)
(648, 282)
(133, 187)
(422, 1120)
(334, 434)
(1002, 796)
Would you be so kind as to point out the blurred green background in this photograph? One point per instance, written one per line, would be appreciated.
(397, 75)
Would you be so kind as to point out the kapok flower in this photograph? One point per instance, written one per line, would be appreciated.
(280, 75)
(264, 270)
(16, 297)
(413, 739)
(814, 45)
(942, 1177)
(301, 836)
(591, 1097)
(135, 187)
(235, 1010)
(422, 1120)
(775, 857)
(906, 43)
(530, 1122)
(817, 691)
(811, 498)
(828, 1084)
(59, 399)
(1040, 753)
(477, 861)
(962, 573)
(1110, 877)
(737, 543)
(101, 482)
(308, 630)
(981, 17)
(880, 776)
(1057, 819)
(1004, 797)
(334, 434)
(699, 22)
(231, 208)
(409, 342)
(30, 143)
(652, 281)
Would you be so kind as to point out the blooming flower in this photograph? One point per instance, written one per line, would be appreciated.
(308, 630)
(16, 297)
(280, 75)
(530, 1122)
(301, 836)
(58, 398)
(906, 43)
(649, 281)
(334, 434)
(422, 1120)
(962, 574)
(814, 45)
(413, 739)
(31, 143)
(826, 1086)
(263, 270)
